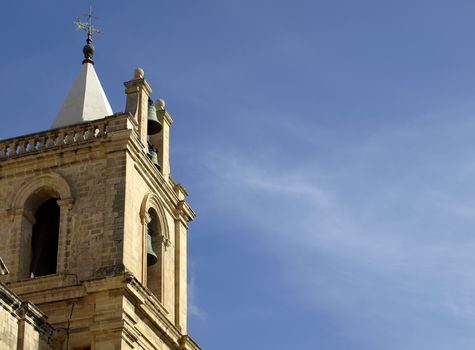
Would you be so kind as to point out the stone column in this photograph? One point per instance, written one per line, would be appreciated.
(138, 92)
(64, 234)
(25, 221)
(181, 227)
(162, 140)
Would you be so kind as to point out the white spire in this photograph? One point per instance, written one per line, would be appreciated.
(86, 100)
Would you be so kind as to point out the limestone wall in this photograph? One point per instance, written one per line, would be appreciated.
(108, 313)
(141, 195)
(105, 184)
(88, 178)
(22, 325)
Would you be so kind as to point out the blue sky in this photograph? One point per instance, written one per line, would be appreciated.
(327, 147)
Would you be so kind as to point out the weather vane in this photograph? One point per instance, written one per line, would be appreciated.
(88, 50)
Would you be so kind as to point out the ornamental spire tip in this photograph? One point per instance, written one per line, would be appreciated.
(88, 50)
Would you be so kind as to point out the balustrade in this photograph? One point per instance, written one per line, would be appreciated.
(63, 137)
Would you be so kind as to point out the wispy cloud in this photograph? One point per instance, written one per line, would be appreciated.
(383, 244)
(194, 310)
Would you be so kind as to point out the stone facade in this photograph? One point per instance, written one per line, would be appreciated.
(103, 295)
(23, 326)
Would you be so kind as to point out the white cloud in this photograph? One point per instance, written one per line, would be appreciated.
(378, 235)
(194, 310)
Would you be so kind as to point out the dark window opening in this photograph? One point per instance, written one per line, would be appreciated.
(154, 256)
(44, 242)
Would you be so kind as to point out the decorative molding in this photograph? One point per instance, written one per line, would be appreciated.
(27, 214)
(25, 311)
(66, 203)
(13, 212)
(57, 138)
(3, 268)
(110, 270)
(184, 212)
(54, 182)
(152, 201)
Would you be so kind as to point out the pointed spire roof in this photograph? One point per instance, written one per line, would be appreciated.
(86, 100)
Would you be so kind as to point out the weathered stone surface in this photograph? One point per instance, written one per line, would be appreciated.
(23, 326)
(103, 295)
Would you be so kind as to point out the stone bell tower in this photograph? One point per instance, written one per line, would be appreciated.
(93, 228)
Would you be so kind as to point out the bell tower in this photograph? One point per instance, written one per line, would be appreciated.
(93, 227)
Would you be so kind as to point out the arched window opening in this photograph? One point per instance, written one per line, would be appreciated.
(41, 201)
(154, 255)
(44, 239)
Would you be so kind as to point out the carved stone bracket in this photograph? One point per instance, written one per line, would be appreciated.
(165, 241)
(66, 203)
(13, 212)
(147, 219)
(183, 212)
(180, 208)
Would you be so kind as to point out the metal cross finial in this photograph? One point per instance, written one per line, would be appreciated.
(88, 50)
(87, 26)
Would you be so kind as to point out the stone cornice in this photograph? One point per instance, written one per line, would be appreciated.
(26, 311)
(155, 179)
(34, 288)
(147, 303)
(187, 343)
(113, 133)
(134, 85)
(9, 297)
(165, 116)
(125, 284)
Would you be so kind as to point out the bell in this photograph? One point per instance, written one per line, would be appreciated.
(151, 256)
(154, 158)
(153, 125)
(152, 154)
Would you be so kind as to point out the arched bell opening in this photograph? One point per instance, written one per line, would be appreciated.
(154, 255)
(153, 128)
(40, 221)
(43, 198)
(44, 239)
